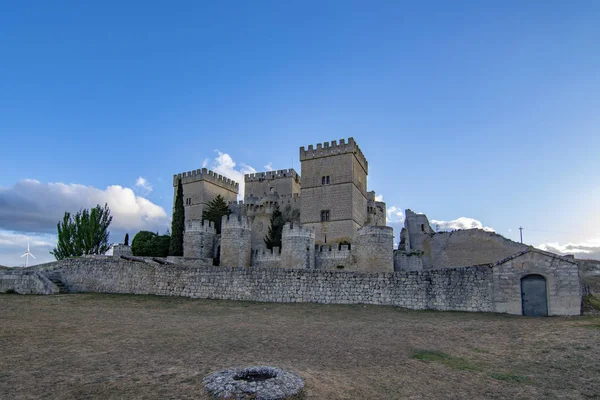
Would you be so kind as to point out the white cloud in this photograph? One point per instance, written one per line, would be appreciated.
(223, 164)
(379, 197)
(587, 249)
(32, 206)
(459, 223)
(394, 214)
(269, 166)
(143, 186)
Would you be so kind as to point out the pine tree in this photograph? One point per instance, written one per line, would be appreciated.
(126, 241)
(215, 210)
(178, 224)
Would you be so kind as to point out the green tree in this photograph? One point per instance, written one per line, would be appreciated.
(178, 224)
(150, 244)
(215, 210)
(84, 233)
(126, 241)
(278, 220)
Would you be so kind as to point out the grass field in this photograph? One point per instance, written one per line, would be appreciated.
(123, 347)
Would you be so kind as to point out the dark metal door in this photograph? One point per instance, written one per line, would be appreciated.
(533, 296)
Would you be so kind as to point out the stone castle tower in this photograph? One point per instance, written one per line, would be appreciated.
(334, 190)
(201, 186)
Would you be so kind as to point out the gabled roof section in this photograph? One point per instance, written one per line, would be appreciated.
(535, 250)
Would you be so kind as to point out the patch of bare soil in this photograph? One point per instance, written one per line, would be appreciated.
(121, 347)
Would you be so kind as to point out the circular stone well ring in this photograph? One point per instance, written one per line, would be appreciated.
(256, 382)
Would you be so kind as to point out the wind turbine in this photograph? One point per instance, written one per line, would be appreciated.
(27, 255)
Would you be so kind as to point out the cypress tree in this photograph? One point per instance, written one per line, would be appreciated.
(178, 224)
(126, 241)
(273, 237)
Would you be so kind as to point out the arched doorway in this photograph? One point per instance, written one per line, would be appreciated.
(534, 297)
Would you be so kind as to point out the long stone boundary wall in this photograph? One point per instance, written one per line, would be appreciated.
(460, 289)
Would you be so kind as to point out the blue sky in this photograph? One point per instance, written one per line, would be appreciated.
(482, 110)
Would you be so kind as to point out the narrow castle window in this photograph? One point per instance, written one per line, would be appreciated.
(422, 227)
(322, 180)
(327, 179)
(325, 215)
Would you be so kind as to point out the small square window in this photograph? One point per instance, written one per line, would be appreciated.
(325, 215)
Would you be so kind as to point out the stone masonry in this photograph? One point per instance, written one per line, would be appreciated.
(236, 241)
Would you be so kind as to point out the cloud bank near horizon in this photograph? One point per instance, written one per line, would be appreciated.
(30, 211)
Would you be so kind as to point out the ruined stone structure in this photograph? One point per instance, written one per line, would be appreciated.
(422, 248)
(121, 250)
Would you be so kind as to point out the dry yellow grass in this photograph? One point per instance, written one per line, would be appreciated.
(122, 347)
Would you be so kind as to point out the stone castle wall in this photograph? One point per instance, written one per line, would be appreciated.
(24, 281)
(332, 257)
(463, 289)
(493, 287)
(266, 258)
(407, 261)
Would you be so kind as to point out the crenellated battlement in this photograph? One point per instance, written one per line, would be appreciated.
(196, 225)
(332, 251)
(297, 230)
(206, 175)
(332, 148)
(279, 174)
(235, 222)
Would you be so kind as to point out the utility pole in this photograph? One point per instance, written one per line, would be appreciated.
(521, 230)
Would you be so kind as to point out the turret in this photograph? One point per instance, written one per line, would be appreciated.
(199, 239)
(297, 247)
(236, 241)
(375, 249)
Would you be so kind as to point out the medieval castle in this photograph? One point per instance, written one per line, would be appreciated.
(335, 249)
(341, 225)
